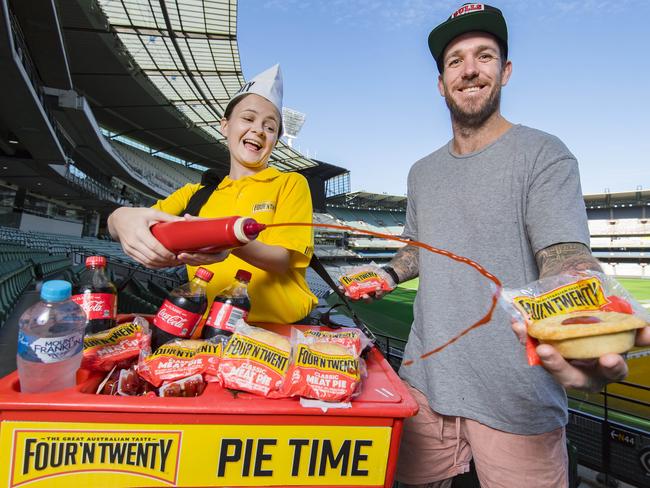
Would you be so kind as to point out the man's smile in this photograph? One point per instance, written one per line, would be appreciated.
(471, 89)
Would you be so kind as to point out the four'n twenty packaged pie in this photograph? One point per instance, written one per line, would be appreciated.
(255, 360)
(583, 316)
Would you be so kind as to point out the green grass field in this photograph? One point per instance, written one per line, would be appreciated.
(638, 288)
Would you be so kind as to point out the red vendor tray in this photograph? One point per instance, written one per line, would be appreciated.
(76, 438)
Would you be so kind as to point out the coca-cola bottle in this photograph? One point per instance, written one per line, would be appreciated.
(228, 307)
(181, 312)
(97, 295)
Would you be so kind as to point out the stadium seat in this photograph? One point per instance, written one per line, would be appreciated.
(135, 287)
(128, 303)
(47, 265)
(157, 290)
(72, 274)
(15, 277)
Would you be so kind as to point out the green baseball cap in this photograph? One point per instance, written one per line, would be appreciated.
(470, 17)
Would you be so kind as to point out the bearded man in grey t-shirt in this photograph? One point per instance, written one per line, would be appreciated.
(508, 197)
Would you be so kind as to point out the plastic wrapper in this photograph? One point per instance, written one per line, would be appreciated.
(583, 316)
(255, 360)
(192, 386)
(130, 384)
(118, 346)
(210, 353)
(364, 280)
(323, 370)
(348, 337)
(108, 386)
(179, 359)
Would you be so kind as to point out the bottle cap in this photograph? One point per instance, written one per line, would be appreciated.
(243, 275)
(204, 274)
(96, 261)
(56, 291)
(251, 228)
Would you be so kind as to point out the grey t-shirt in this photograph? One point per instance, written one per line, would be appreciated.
(497, 206)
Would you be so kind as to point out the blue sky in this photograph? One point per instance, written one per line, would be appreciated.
(362, 72)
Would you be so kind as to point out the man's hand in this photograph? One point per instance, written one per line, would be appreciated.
(588, 375)
(374, 294)
(404, 264)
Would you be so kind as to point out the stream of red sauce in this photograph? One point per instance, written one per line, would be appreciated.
(495, 296)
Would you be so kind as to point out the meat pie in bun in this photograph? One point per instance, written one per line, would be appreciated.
(588, 334)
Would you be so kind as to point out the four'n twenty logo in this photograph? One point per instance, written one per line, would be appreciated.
(246, 87)
(47, 453)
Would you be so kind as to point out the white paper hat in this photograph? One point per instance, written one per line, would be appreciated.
(267, 84)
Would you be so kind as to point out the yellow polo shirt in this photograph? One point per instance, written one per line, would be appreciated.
(268, 197)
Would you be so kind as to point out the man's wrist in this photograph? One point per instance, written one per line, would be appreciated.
(392, 273)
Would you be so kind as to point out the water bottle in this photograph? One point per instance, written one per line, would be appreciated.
(50, 340)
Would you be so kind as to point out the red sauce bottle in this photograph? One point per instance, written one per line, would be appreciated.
(206, 235)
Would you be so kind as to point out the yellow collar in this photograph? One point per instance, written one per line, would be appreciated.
(266, 174)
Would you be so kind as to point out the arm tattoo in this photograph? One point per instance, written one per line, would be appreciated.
(566, 257)
(405, 263)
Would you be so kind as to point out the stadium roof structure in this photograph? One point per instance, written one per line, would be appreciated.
(625, 198)
(369, 201)
(161, 72)
(325, 170)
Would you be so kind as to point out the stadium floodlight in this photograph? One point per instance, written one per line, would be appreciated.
(292, 121)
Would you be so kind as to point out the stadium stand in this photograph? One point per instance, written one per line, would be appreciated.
(324, 218)
(374, 220)
(158, 171)
(42, 247)
(620, 232)
(619, 227)
(15, 277)
(384, 214)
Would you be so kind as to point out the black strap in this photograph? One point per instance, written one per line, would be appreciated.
(210, 179)
(317, 266)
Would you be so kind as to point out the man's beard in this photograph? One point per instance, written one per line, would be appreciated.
(475, 117)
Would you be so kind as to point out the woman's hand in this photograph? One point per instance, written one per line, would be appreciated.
(200, 259)
(130, 226)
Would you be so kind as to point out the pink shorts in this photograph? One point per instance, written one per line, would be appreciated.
(437, 447)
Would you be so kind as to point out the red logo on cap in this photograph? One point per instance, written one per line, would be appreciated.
(467, 8)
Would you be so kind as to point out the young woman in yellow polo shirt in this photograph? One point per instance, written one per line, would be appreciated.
(279, 257)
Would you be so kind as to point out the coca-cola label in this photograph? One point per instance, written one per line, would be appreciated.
(97, 305)
(49, 349)
(175, 320)
(224, 316)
